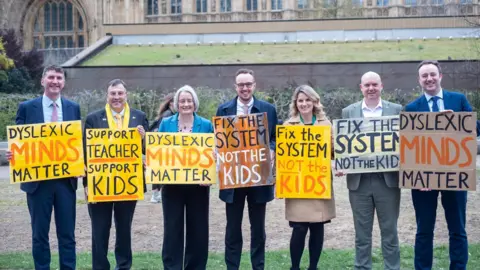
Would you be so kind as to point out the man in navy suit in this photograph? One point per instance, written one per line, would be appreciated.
(257, 197)
(454, 203)
(116, 115)
(58, 194)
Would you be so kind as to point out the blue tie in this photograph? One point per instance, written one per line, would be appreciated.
(435, 105)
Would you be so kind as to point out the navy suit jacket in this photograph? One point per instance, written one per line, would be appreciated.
(260, 194)
(98, 119)
(456, 102)
(31, 112)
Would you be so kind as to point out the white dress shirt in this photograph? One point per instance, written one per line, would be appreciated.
(241, 105)
(440, 103)
(47, 105)
(376, 112)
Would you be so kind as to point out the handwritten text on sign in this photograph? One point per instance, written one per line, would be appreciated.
(114, 165)
(366, 144)
(243, 151)
(303, 162)
(176, 158)
(438, 150)
(45, 151)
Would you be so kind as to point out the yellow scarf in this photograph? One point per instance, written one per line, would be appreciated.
(111, 120)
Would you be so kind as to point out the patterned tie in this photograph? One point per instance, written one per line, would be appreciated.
(435, 105)
(119, 121)
(54, 113)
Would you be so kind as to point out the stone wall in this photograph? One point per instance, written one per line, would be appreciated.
(395, 75)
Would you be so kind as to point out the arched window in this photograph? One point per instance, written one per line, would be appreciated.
(59, 24)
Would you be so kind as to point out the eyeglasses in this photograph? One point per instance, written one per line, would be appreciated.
(248, 84)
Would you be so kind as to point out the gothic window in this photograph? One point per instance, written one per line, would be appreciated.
(176, 6)
(59, 24)
(302, 4)
(201, 6)
(382, 3)
(277, 5)
(225, 5)
(252, 5)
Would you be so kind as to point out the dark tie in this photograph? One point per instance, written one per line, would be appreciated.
(435, 105)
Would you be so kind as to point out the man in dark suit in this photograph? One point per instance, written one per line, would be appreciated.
(58, 194)
(257, 197)
(435, 99)
(113, 117)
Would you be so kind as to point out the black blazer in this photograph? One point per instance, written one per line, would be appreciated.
(261, 194)
(98, 119)
(31, 112)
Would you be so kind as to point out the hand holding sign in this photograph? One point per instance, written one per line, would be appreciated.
(141, 130)
(9, 155)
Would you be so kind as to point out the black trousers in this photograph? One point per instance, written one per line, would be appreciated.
(234, 238)
(101, 217)
(185, 207)
(297, 243)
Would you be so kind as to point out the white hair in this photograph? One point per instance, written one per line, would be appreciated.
(188, 89)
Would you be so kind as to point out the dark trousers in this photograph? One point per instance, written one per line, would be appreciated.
(297, 243)
(185, 221)
(58, 195)
(425, 204)
(101, 217)
(234, 238)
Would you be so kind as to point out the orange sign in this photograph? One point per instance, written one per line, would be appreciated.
(243, 151)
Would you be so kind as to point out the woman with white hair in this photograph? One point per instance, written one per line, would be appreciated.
(185, 205)
(307, 214)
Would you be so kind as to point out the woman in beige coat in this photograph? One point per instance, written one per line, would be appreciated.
(307, 214)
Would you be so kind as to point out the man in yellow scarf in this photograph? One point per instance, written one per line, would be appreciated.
(116, 115)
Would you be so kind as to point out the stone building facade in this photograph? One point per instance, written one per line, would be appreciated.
(79, 23)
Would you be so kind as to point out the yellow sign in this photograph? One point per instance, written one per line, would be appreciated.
(45, 151)
(179, 158)
(303, 155)
(114, 165)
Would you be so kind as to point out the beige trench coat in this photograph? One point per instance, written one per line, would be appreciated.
(309, 210)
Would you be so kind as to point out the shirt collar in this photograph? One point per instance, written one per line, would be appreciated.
(249, 104)
(46, 101)
(439, 94)
(364, 105)
(121, 113)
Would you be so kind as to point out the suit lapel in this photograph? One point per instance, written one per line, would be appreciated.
(133, 121)
(423, 104)
(103, 119)
(357, 110)
(385, 108)
(447, 100)
(38, 108)
(65, 110)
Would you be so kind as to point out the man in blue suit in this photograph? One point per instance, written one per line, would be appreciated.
(257, 197)
(59, 194)
(454, 203)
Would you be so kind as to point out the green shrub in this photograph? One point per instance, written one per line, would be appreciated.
(333, 100)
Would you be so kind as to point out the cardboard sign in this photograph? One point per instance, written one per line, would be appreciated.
(365, 145)
(438, 150)
(243, 151)
(303, 162)
(114, 165)
(179, 158)
(45, 151)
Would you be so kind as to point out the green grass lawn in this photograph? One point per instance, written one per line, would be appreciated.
(286, 53)
(275, 260)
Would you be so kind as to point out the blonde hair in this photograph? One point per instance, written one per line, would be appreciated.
(309, 92)
(188, 89)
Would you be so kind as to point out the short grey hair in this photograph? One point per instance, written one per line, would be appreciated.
(188, 89)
